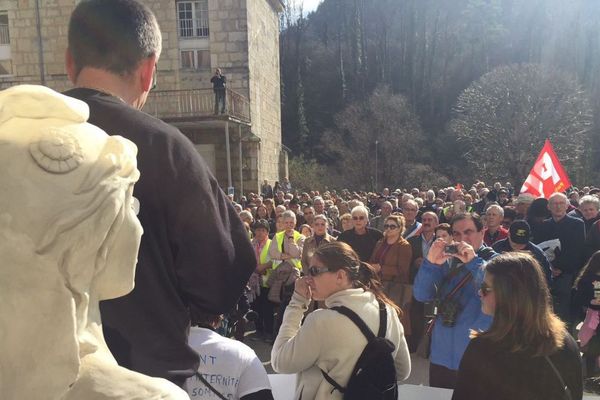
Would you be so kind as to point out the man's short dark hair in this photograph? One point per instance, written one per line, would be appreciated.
(468, 216)
(113, 35)
(510, 213)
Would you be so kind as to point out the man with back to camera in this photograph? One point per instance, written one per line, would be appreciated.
(445, 270)
(195, 253)
(230, 367)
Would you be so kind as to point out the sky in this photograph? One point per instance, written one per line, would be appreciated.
(311, 5)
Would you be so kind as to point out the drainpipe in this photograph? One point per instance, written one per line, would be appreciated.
(40, 42)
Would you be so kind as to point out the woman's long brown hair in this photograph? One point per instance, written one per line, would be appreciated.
(523, 317)
(339, 255)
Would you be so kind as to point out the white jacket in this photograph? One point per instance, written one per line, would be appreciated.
(331, 341)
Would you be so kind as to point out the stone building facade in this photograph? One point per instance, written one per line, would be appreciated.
(242, 146)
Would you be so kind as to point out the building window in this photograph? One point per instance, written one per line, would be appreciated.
(195, 59)
(192, 18)
(4, 35)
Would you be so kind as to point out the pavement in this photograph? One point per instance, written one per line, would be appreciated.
(419, 373)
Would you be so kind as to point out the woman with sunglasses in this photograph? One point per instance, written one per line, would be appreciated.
(328, 340)
(527, 353)
(391, 259)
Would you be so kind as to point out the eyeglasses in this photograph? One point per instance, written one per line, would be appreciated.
(391, 226)
(485, 289)
(154, 78)
(358, 217)
(314, 271)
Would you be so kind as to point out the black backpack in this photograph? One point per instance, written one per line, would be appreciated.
(374, 375)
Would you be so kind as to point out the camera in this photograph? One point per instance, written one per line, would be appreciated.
(451, 249)
(447, 310)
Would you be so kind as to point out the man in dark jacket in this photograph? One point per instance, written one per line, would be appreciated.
(420, 247)
(219, 81)
(195, 253)
(518, 240)
(570, 231)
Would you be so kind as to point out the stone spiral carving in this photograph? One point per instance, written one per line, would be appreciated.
(57, 152)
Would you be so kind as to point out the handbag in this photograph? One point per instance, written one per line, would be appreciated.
(566, 391)
(424, 346)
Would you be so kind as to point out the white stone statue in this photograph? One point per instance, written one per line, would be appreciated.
(69, 238)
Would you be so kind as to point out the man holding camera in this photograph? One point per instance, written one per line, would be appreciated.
(450, 277)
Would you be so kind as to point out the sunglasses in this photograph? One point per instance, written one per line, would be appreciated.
(391, 226)
(485, 289)
(358, 218)
(314, 271)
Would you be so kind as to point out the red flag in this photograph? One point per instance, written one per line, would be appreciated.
(547, 175)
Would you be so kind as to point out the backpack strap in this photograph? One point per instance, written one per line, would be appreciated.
(382, 320)
(361, 324)
(566, 391)
(364, 329)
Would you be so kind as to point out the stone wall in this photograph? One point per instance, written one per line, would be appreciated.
(243, 42)
(250, 151)
(265, 96)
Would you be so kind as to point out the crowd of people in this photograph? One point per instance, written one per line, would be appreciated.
(325, 271)
(436, 254)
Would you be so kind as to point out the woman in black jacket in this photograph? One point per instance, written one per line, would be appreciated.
(527, 351)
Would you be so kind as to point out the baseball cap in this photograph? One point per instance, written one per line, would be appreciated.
(519, 232)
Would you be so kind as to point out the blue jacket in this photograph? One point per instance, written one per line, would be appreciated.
(449, 344)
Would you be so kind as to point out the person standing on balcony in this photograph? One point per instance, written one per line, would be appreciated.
(219, 84)
(195, 254)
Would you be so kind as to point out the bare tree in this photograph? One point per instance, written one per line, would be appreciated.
(384, 118)
(503, 118)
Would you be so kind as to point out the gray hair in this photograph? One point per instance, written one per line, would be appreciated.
(288, 214)
(360, 210)
(590, 199)
(496, 207)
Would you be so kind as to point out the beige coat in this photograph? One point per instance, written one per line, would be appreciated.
(331, 341)
(309, 248)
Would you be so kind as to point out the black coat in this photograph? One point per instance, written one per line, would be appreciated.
(194, 252)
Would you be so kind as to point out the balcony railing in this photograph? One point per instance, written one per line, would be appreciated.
(4, 35)
(191, 103)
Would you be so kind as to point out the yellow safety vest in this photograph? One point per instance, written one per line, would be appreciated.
(263, 258)
(294, 261)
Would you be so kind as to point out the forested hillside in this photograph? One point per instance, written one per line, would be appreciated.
(440, 86)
